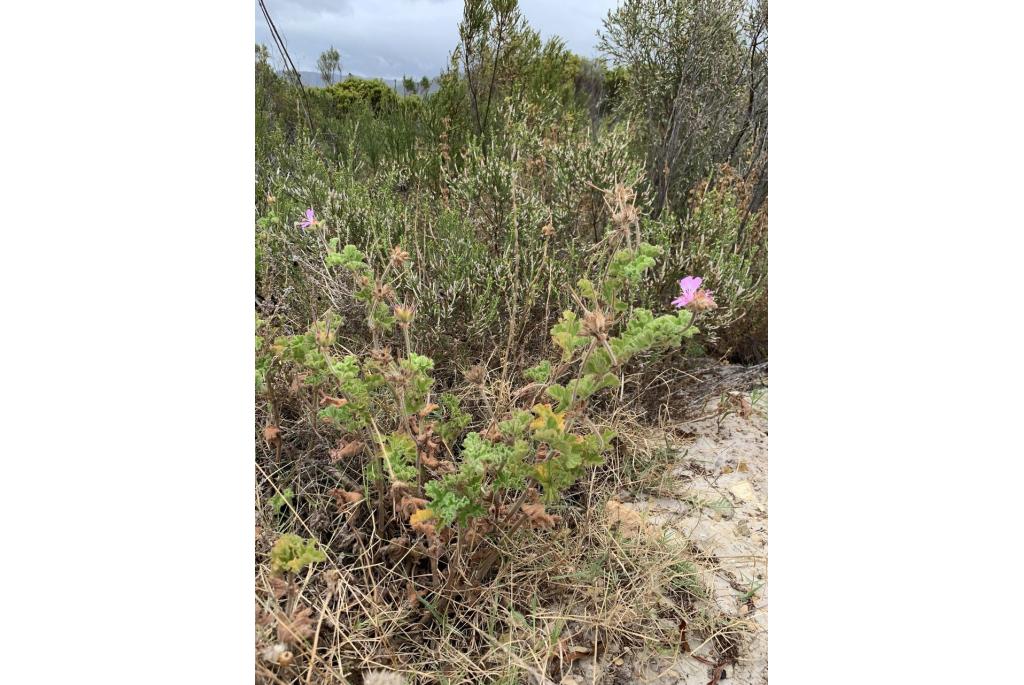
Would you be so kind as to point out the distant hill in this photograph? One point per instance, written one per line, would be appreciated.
(312, 79)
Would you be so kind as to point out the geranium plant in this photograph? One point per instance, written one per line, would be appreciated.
(422, 476)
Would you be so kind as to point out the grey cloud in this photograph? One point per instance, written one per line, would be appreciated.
(392, 38)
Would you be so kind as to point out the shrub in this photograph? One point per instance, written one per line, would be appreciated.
(462, 307)
(728, 243)
(418, 472)
(346, 94)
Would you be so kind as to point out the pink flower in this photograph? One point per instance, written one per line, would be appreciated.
(688, 286)
(309, 220)
(693, 297)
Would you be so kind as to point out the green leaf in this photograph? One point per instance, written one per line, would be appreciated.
(456, 422)
(560, 394)
(516, 426)
(566, 335)
(292, 553)
(540, 373)
(586, 287)
(400, 454)
(280, 500)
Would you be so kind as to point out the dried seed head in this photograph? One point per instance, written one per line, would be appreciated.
(477, 374)
(595, 324)
(548, 230)
(395, 376)
(399, 256)
(403, 313)
(382, 678)
(625, 217)
(278, 654)
(622, 194)
(383, 291)
(623, 211)
(702, 301)
(381, 356)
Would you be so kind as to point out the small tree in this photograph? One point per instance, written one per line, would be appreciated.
(328, 64)
(424, 85)
(686, 70)
(491, 34)
(408, 85)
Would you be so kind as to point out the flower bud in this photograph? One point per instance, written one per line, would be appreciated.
(404, 314)
(324, 336)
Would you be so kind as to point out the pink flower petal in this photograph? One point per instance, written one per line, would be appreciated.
(690, 283)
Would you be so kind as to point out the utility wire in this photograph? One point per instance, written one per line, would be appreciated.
(287, 59)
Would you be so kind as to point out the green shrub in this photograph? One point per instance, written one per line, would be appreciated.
(411, 453)
(351, 92)
(728, 244)
(501, 201)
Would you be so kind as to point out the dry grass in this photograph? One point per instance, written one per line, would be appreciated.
(584, 590)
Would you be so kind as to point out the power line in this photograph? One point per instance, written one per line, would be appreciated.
(287, 59)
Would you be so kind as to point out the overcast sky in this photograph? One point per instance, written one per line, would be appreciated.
(394, 38)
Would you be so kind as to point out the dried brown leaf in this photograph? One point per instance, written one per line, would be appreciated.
(297, 627)
(272, 434)
(426, 529)
(279, 587)
(263, 617)
(538, 517)
(345, 451)
(408, 505)
(344, 498)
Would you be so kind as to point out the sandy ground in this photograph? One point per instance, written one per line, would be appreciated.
(714, 503)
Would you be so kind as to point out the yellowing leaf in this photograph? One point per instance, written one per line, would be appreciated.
(546, 418)
(421, 515)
